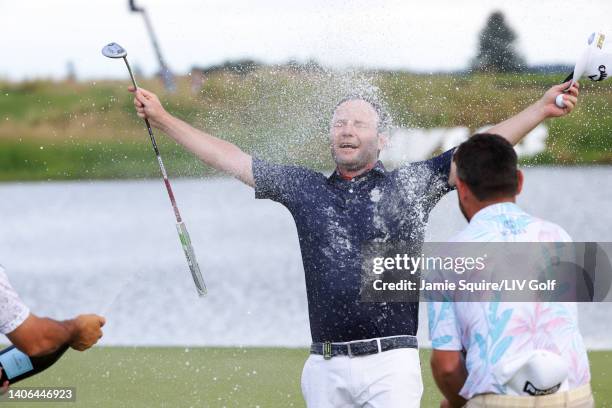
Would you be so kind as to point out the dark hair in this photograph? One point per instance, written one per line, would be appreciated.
(383, 116)
(487, 163)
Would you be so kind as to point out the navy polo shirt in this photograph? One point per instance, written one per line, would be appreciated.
(334, 217)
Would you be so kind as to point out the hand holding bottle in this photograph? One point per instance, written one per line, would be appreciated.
(5, 386)
(88, 330)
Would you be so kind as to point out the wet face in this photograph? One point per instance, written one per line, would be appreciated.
(355, 141)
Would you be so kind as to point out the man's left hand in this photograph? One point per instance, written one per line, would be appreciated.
(570, 98)
(445, 404)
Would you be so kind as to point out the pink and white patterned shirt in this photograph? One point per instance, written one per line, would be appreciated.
(492, 332)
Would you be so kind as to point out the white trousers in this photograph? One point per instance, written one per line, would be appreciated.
(391, 379)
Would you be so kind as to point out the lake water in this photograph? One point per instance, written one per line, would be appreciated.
(111, 246)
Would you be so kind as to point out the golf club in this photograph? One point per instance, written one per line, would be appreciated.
(114, 50)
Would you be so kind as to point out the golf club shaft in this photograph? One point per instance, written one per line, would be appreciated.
(177, 214)
(194, 268)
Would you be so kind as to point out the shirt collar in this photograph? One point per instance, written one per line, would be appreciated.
(496, 209)
(378, 169)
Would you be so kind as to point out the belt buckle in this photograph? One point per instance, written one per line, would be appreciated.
(327, 350)
(348, 348)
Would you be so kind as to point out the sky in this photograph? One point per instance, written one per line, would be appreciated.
(39, 37)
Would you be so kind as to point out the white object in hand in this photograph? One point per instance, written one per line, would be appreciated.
(559, 101)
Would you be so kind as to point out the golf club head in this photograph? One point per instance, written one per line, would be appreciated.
(114, 50)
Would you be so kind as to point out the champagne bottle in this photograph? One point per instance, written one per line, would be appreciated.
(17, 365)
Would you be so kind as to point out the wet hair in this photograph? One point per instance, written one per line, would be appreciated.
(487, 163)
(383, 117)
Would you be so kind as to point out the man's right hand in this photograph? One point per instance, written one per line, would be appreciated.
(88, 330)
(216, 153)
(148, 106)
(4, 388)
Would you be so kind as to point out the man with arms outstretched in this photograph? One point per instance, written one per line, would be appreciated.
(363, 354)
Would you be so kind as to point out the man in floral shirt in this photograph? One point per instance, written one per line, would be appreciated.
(474, 342)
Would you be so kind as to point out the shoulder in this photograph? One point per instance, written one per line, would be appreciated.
(436, 163)
(266, 168)
(550, 232)
(475, 232)
(3, 276)
(283, 183)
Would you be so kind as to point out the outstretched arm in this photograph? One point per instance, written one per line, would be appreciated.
(518, 126)
(219, 154)
(39, 335)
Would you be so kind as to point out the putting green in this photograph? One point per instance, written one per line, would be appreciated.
(213, 377)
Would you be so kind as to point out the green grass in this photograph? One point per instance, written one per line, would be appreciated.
(48, 160)
(214, 377)
(89, 130)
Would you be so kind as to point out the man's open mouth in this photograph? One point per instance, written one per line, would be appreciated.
(347, 146)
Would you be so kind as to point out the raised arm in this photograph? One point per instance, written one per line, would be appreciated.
(518, 126)
(217, 153)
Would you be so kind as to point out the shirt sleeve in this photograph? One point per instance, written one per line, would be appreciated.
(281, 183)
(444, 331)
(429, 178)
(13, 311)
(440, 167)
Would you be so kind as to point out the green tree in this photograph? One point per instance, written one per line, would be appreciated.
(496, 52)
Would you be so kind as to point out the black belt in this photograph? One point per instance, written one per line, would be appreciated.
(364, 347)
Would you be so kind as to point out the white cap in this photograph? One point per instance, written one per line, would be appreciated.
(538, 372)
(595, 62)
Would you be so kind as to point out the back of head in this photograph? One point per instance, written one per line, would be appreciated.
(487, 164)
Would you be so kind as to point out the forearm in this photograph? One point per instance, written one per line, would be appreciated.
(513, 130)
(517, 127)
(39, 336)
(56, 334)
(449, 386)
(449, 372)
(217, 153)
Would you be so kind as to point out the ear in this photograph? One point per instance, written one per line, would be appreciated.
(461, 187)
(452, 176)
(383, 139)
(520, 178)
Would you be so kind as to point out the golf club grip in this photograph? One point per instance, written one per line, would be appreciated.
(569, 77)
(191, 259)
